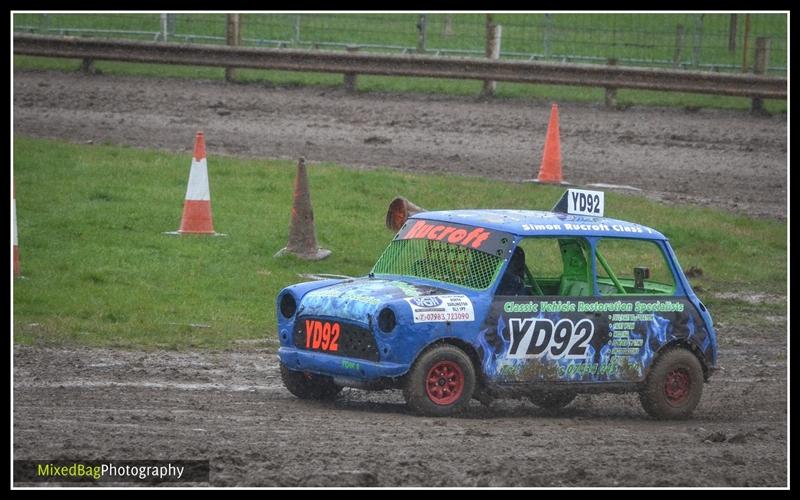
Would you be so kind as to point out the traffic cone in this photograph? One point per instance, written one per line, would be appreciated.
(16, 244)
(302, 233)
(197, 204)
(550, 170)
(400, 209)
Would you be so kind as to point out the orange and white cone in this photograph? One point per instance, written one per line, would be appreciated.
(302, 232)
(197, 204)
(550, 170)
(16, 243)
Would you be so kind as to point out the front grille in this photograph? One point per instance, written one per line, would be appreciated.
(352, 341)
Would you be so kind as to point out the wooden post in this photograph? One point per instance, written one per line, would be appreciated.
(760, 65)
(350, 84)
(489, 38)
(732, 34)
(296, 31)
(697, 40)
(87, 66)
(447, 27)
(167, 26)
(422, 33)
(611, 92)
(678, 56)
(232, 37)
(547, 33)
(744, 44)
(171, 21)
(494, 33)
(164, 29)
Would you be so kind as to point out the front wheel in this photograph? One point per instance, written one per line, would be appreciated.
(674, 385)
(308, 385)
(441, 383)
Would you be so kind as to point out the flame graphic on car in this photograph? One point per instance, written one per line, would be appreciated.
(658, 328)
(488, 355)
(647, 355)
(690, 326)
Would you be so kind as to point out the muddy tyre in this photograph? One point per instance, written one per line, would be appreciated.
(552, 401)
(674, 385)
(441, 382)
(308, 385)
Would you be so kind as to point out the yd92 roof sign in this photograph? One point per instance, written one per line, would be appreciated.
(581, 202)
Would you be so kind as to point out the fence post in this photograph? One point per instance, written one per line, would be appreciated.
(296, 31)
(422, 33)
(732, 34)
(760, 64)
(447, 27)
(697, 40)
(678, 56)
(163, 27)
(494, 33)
(232, 37)
(611, 92)
(350, 78)
(87, 66)
(548, 24)
(171, 22)
(167, 26)
(744, 44)
(87, 63)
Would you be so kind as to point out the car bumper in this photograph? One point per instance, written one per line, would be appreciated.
(338, 366)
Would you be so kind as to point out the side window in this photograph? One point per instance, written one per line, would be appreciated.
(636, 267)
(543, 257)
(556, 266)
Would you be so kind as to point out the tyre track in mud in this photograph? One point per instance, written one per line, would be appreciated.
(230, 407)
(725, 159)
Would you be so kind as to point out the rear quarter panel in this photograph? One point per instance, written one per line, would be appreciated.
(585, 339)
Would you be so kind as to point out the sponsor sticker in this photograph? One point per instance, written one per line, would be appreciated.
(478, 238)
(440, 308)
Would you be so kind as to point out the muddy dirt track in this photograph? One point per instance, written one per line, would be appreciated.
(727, 159)
(230, 407)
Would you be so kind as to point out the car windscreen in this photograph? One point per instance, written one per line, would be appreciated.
(451, 253)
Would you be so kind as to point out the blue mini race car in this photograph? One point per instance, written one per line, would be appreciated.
(485, 304)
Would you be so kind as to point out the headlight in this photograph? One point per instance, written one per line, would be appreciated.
(386, 320)
(288, 305)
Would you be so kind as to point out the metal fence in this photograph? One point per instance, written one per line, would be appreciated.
(696, 41)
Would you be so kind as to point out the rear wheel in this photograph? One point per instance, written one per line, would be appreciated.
(441, 383)
(674, 385)
(552, 400)
(306, 385)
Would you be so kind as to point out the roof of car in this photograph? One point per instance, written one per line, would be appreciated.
(540, 223)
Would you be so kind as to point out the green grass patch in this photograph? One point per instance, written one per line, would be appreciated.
(98, 270)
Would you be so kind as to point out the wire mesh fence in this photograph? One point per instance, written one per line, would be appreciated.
(713, 42)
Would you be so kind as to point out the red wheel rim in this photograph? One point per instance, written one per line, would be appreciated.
(677, 386)
(444, 383)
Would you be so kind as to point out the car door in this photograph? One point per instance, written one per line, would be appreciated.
(539, 334)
